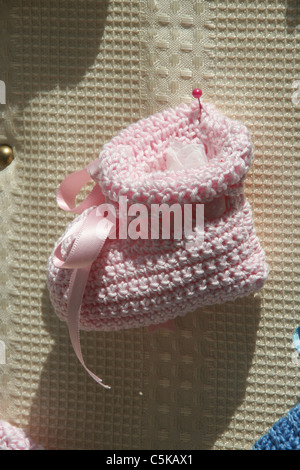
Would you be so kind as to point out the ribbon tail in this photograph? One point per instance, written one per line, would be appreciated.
(78, 282)
(91, 236)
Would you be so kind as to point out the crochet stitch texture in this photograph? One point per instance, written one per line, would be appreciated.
(136, 283)
(13, 438)
(284, 435)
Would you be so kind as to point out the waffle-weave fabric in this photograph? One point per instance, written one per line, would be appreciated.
(76, 74)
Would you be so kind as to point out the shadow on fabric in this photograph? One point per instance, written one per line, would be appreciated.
(76, 412)
(197, 375)
(292, 15)
(59, 42)
(193, 381)
(45, 47)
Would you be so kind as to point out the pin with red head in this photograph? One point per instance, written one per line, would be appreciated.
(197, 93)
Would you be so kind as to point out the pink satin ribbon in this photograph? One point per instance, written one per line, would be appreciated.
(90, 235)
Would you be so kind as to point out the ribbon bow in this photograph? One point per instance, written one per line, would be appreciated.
(90, 235)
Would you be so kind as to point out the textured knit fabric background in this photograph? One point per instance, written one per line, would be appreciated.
(77, 72)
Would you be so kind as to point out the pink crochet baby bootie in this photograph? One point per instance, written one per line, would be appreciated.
(118, 281)
(13, 438)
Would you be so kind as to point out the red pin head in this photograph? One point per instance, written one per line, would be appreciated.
(197, 93)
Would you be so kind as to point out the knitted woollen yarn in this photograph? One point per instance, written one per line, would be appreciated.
(13, 438)
(284, 435)
(141, 282)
